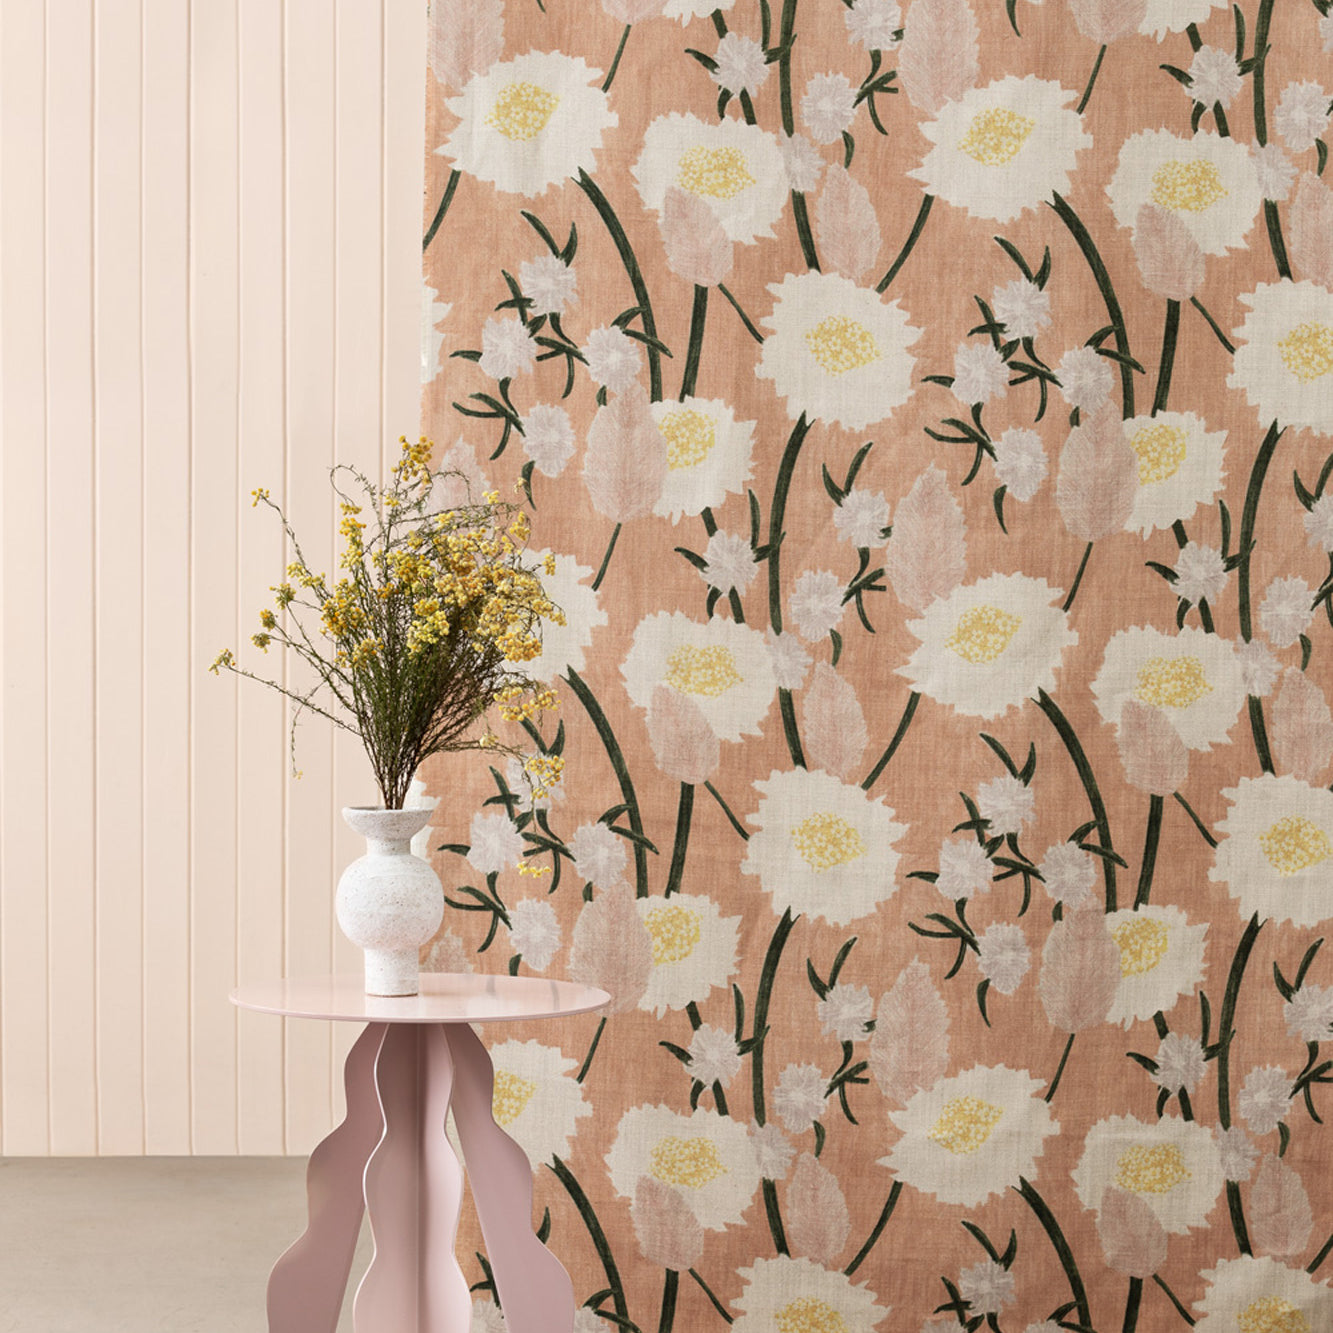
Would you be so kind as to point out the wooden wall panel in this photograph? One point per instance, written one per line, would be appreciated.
(25, 777)
(209, 281)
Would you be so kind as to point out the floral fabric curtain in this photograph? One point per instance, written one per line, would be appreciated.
(928, 411)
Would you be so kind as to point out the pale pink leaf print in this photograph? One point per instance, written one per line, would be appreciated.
(625, 465)
(1080, 971)
(927, 555)
(1133, 1240)
(612, 949)
(910, 1046)
(1310, 220)
(1154, 756)
(1279, 1209)
(1170, 259)
(846, 228)
(697, 249)
(668, 1233)
(938, 60)
(466, 37)
(817, 1217)
(1302, 728)
(1098, 476)
(1106, 21)
(684, 745)
(832, 724)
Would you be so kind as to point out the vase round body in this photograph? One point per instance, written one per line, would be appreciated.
(389, 901)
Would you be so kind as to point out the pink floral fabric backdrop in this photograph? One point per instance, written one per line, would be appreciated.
(928, 410)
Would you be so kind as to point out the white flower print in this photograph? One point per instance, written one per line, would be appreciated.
(789, 659)
(507, 348)
(1161, 960)
(836, 351)
(735, 168)
(798, 1098)
(569, 587)
(979, 373)
(613, 357)
(873, 24)
(599, 854)
(1276, 850)
(1180, 467)
(496, 844)
(1264, 1098)
(815, 604)
(1068, 873)
(971, 1135)
(708, 455)
(812, 846)
(1258, 668)
(694, 950)
(730, 562)
(1301, 115)
(1262, 1294)
(1007, 802)
(1002, 149)
(1276, 171)
(1022, 307)
(987, 1287)
(1284, 354)
(1286, 611)
(534, 932)
(1319, 524)
(529, 123)
(1207, 182)
(803, 163)
(862, 517)
(844, 1012)
(1310, 1013)
(987, 646)
(536, 1100)
(1085, 378)
(549, 283)
(1214, 76)
(548, 438)
(1200, 573)
(965, 869)
(828, 107)
(741, 64)
(1180, 1065)
(1020, 462)
(1238, 1154)
(1004, 956)
(713, 1056)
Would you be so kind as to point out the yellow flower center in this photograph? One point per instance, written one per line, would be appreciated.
(1151, 1168)
(965, 1124)
(1187, 187)
(714, 173)
(1172, 682)
(1161, 451)
(522, 110)
(994, 137)
(825, 840)
(690, 437)
(512, 1094)
(1142, 945)
(674, 930)
(839, 344)
(689, 1162)
(1307, 351)
(983, 633)
(1294, 844)
(709, 671)
(808, 1314)
(1271, 1314)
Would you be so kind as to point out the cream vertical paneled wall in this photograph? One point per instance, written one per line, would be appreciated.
(210, 245)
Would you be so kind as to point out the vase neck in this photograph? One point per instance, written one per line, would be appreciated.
(388, 846)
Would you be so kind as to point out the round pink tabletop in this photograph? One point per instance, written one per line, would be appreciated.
(445, 997)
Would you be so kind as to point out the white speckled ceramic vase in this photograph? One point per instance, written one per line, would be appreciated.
(389, 901)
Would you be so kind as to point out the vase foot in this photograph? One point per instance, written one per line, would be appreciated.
(391, 971)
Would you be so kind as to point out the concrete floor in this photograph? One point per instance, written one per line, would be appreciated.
(148, 1244)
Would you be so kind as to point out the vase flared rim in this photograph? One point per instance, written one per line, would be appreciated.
(375, 821)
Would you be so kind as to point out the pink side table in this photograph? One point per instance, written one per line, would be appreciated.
(416, 1060)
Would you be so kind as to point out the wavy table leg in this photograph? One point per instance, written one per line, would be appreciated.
(535, 1291)
(305, 1289)
(413, 1190)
